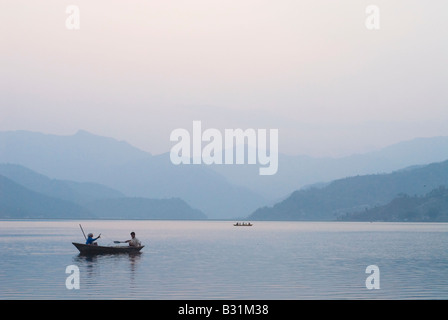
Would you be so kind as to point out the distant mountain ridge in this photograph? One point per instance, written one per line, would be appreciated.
(219, 191)
(431, 207)
(296, 172)
(75, 157)
(355, 194)
(85, 157)
(77, 192)
(27, 194)
(144, 208)
(18, 202)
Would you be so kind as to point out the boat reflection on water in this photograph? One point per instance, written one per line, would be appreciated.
(93, 267)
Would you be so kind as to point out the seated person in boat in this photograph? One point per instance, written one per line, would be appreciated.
(90, 240)
(134, 242)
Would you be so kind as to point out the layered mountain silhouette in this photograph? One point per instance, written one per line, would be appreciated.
(296, 172)
(28, 194)
(76, 192)
(355, 194)
(18, 202)
(87, 170)
(85, 157)
(431, 207)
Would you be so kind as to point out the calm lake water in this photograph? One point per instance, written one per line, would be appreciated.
(215, 260)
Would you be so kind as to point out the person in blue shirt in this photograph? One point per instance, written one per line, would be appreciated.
(90, 239)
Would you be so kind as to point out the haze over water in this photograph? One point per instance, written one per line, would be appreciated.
(215, 260)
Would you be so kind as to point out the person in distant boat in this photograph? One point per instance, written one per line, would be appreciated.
(90, 240)
(134, 242)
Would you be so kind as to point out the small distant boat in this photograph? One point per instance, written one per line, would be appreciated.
(92, 249)
(243, 224)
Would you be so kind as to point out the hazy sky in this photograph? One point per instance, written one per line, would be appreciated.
(136, 70)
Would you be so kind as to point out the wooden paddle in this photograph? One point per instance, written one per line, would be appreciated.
(83, 232)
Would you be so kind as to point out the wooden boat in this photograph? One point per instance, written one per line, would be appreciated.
(242, 224)
(92, 249)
